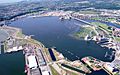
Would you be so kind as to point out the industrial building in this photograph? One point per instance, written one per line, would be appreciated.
(32, 62)
(45, 73)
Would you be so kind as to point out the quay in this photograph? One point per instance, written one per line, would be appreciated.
(95, 64)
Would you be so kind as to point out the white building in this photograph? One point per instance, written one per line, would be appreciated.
(45, 73)
(32, 63)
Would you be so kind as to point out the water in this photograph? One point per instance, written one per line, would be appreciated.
(108, 23)
(101, 72)
(52, 54)
(53, 32)
(12, 63)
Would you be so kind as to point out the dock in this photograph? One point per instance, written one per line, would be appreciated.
(93, 63)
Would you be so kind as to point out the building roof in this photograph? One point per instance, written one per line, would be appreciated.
(3, 35)
(32, 61)
(45, 73)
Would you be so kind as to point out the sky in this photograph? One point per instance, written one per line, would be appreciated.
(9, 1)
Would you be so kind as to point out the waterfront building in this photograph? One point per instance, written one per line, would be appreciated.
(45, 73)
(32, 62)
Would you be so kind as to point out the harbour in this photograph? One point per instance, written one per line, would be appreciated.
(72, 48)
(59, 37)
(66, 28)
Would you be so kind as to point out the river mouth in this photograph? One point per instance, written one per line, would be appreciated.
(51, 31)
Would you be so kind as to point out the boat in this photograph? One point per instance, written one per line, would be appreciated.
(106, 54)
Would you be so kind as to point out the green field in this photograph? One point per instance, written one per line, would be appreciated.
(117, 39)
(102, 26)
(103, 19)
(88, 12)
(54, 72)
(111, 19)
(84, 31)
(97, 18)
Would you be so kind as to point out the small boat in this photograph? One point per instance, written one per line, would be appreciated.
(106, 54)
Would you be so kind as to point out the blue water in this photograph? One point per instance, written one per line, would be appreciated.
(108, 23)
(101, 72)
(52, 55)
(12, 63)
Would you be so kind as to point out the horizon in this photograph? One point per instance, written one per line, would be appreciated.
(9, 1)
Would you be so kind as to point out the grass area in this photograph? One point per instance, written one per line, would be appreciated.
(117, 39)
(72, 73)
(102, 25)
(84, 31)
(73, 68)
(88, 12)
(116, 73)
(54, 72)
(22, 42)
(97, 18)
(111, 19)
(103, 19)
(19, 34)
(36, 42)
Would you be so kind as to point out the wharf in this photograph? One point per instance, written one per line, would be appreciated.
(93, 63)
